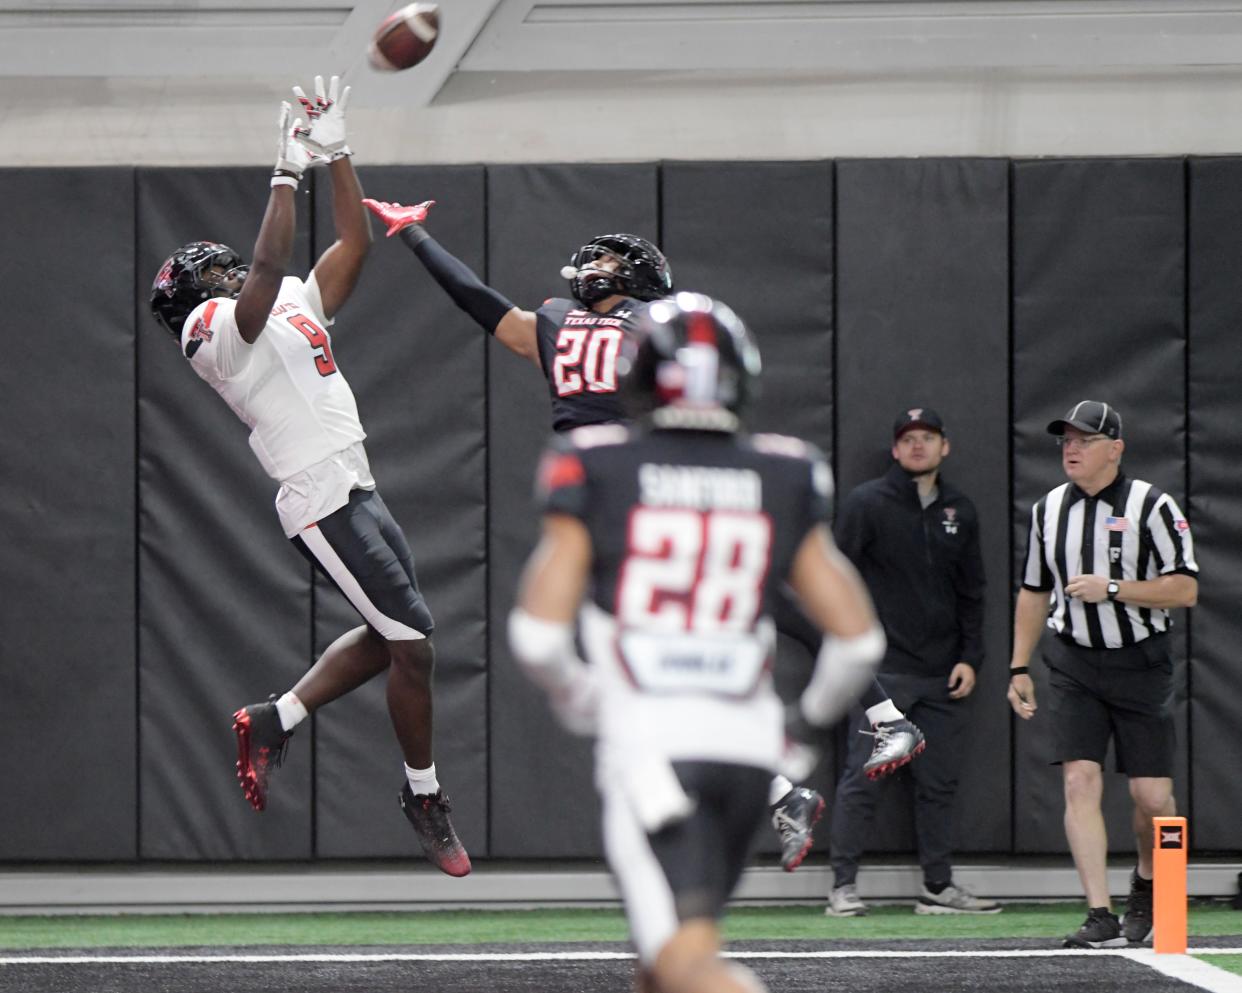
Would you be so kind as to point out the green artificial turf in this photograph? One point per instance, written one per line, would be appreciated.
(805, 922)
(1230, 963)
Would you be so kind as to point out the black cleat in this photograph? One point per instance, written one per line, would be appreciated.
(1101, 929)
(429, 815)
(1136, 923)
(261, 746)
(793, 816)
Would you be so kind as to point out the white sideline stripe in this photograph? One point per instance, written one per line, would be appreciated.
(1144, 955)
(1194, 971)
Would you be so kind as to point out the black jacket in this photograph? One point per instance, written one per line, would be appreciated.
(923, 568)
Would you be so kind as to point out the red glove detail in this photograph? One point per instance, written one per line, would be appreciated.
(396, 216)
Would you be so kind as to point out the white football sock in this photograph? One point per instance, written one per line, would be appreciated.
(776, 792)
(291, 711)
(883, 712)
(423, 780)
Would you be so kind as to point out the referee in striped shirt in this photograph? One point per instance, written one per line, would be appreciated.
(1108, 558)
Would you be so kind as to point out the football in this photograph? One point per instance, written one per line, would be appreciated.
(405, 37)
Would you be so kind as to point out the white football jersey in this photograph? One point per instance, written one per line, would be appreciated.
(286, 386)
(727, 711)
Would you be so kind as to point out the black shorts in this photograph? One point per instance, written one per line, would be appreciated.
(362, 550)
(1122, 693)
(686, 870)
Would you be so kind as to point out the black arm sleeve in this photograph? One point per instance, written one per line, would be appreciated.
(481, 302)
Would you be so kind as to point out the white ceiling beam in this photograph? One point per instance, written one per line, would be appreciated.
(855, 35)
(460, 23)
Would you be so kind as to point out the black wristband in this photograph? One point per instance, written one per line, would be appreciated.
(1019, 670)
(470, 293)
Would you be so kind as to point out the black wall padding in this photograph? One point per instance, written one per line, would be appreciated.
(416, 365)
(541, 782)
(224, 601)
(758, 235)
(67, 517)
(1215, 510)
(922, 318)
(1098, 313)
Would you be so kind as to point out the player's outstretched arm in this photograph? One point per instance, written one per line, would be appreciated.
(492, 311)
(274, 246)
(340, 265)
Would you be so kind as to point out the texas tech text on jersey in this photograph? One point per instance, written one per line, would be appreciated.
(578, 352)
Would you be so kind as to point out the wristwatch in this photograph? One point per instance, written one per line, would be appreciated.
(1113, 588)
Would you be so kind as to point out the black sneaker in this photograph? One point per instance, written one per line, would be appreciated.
(261, 746)
(1101, 929)
(896, 744)
(429, 814)
(793, 816)
(1136, 924)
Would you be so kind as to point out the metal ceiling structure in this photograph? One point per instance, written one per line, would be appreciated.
(132, 39)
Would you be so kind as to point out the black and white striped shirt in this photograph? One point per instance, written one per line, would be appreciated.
(1129, 530)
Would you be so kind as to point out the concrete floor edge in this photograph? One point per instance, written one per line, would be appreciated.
(415, 886)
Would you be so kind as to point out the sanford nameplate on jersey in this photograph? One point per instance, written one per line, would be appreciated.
(689, 663)
(699, 487)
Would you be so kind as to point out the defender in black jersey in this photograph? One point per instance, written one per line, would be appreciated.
(680, 533)
(576, 344)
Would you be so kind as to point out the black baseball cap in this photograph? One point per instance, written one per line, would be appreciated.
(1091, 416)
(917, 417)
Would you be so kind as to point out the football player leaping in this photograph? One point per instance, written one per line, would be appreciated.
(575, 343)
(260, 338)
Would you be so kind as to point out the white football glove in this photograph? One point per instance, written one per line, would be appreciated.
(291, 155)
(326, 119)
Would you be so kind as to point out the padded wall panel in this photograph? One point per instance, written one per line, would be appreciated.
(1215, 511)
(224, 600)
(1098, 313)
(416, 364)
(775, 268)
(537, 215)
(67, 516)
(922, 319)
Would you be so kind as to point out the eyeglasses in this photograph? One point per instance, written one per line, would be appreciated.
(1066, 441)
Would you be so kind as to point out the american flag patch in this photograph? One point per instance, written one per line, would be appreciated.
(1182, 525)
(1116, 523)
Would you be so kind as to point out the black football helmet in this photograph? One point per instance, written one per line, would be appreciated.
(691, 363)
(642, 270)
(185, 280)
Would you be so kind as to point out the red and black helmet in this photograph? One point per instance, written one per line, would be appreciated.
(642, 270)
(192, 274)
(690, 356)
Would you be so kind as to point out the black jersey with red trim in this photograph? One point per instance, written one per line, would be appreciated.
(697, 529)
(578, 351)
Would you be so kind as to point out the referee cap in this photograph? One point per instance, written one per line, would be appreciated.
(917, 417)
(1091, 416)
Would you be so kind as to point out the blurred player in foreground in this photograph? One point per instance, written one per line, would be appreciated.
(680, 531)
(260, 339)
(576, 343)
